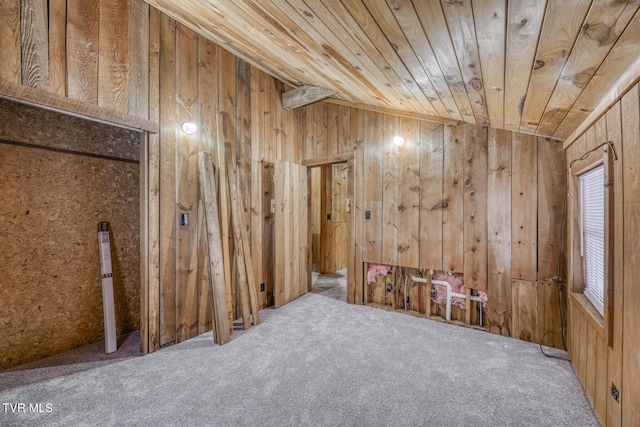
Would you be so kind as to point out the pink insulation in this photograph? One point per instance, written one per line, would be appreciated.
(376, 270)
(457, 285)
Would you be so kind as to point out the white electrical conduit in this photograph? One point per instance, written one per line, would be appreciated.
(450, 294)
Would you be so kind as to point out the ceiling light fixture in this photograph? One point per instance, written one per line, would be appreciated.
(189, 128)
(398, 140)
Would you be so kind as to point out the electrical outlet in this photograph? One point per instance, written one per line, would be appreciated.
(389, 287)
(261, 287)
(615, 392)
(367, 214)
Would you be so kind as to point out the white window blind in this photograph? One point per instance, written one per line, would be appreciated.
(592, 204)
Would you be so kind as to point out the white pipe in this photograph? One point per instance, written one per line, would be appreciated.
(450, 295)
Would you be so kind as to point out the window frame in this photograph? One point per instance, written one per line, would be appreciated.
(602, 323)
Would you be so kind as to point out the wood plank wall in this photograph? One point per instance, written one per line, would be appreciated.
(130, 58)
(449, 199)
(598, 365)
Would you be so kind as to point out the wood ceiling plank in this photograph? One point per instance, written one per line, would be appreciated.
(204, 21)
(491, 17)
(435, 27)
(604, 24)
(401, 113)
(560, 28)
(387, 32)
(312, 63)
(459, 16)
(308, 41)
(340, 44)
(617, 73)
(391, 65)
(524, 21)
(314, 38)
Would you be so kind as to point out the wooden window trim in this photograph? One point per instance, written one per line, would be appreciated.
(603, 324)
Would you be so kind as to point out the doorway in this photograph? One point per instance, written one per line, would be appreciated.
(331, 201)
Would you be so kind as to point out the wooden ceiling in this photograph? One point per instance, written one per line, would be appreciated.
(534, 66)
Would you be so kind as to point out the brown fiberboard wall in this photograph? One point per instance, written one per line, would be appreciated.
(53, 197)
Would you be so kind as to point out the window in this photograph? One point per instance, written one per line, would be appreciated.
(592, 235)
(591, 226)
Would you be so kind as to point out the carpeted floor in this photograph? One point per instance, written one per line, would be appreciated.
(332, 285)
(317, 362)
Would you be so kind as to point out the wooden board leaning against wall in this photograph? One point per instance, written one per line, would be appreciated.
(473, 214)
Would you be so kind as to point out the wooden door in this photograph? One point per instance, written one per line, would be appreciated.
(292, 255)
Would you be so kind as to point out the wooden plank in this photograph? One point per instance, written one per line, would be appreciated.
(305, 232)
(345, 141)
(602, 28)
(82, 50)
(390, 28)
(271, 119)
(582, 349)
(287, 254)
(304, 95)
(462, 29)
(562, 24)
(434, 25)
(58, 47)
(243, 137)
(187, 185)
(475, 208)
(327, 160)
(552, 181)
(214, 249)
(332, 129)
(35, 43)
(279, 120)
(113, 65)
(10, 66)
(523, 207)
(296, 217)
(391, 111)
(499, 232)
(591, 361)
(246, 280)
(431, 201)
(614, 369)
(268, 237)
(631, 318)
(154, 164)
(138, 89)
(523, 27)
(524, 306)
(601, 391)
(356, 269)
(548, 315)
(321, 130)
(390, 191)
(351, 247)
(619, 71)
(208, 103)
(491, 17)
(256, 202)
(281, 194)
(409, 195)
(144, 243)
(452, 196)
(168, 219)
(223, 196)
(372, 200)
(49, 101)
